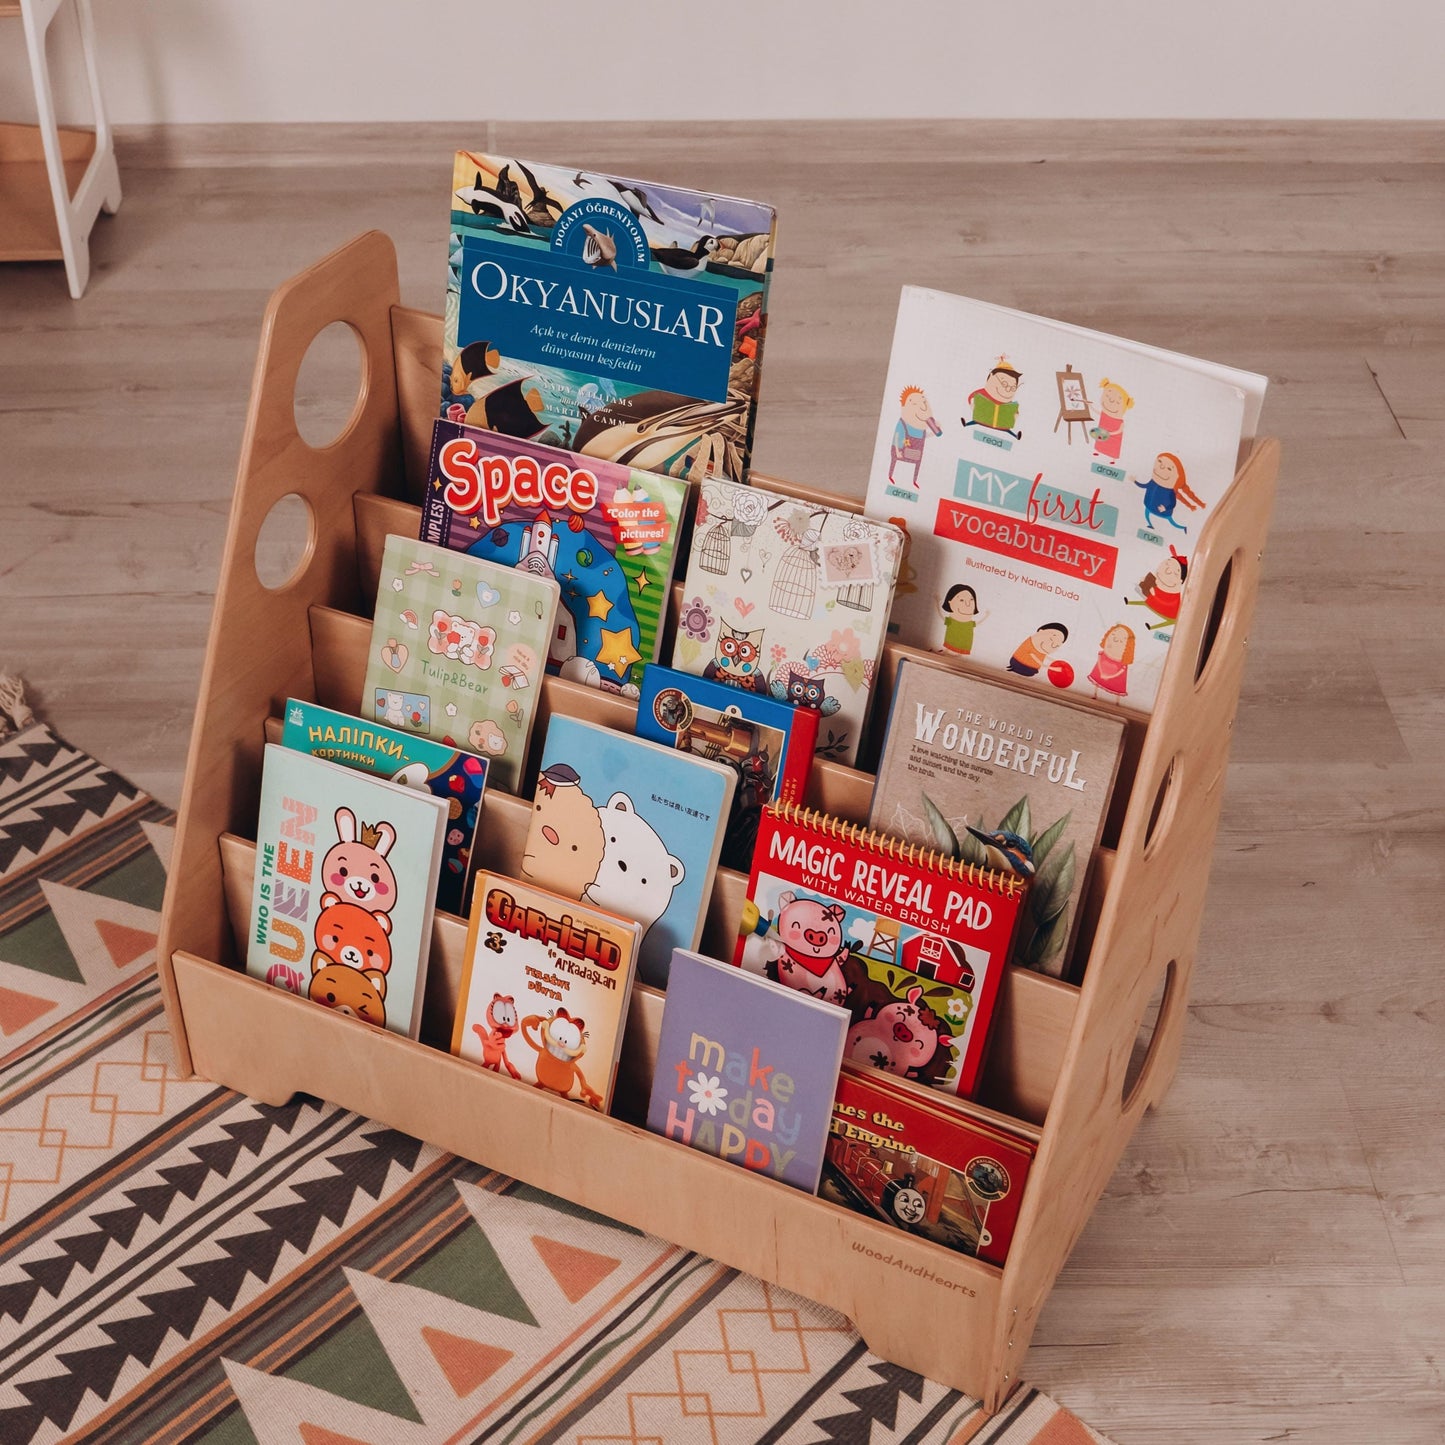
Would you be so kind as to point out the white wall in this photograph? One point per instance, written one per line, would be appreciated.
(237, 61)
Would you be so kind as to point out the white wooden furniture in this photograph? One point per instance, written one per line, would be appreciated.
(54, 181)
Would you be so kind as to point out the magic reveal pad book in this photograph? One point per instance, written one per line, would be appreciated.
(544, 989)
(1005, 778)
(746, 1069)
(617, 318)
(630, 826)
(911, 944)
(458, 649)
(789, 599)
(346, 871)
(1053, 482)
(606, 534)
(457, 777)
(946, 1171)
(767, 743)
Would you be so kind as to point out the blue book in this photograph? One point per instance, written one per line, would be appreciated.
(632, 827)
(746, 1069)
(768, 744)
(457, 777)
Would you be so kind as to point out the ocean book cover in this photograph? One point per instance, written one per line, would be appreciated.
(631, 826)
(606, 534)
(789, 599)
(457, 777)
(996, 775)
(458, 652)
(342, 899)
(769, 744)
(1053, 482)
(544, 990)
(617, 318)
(746, 1070)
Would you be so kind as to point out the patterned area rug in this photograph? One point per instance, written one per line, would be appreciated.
(179, 1263)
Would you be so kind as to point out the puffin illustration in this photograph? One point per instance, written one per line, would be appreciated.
(680, 259)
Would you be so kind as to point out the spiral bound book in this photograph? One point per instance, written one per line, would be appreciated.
(911, 943)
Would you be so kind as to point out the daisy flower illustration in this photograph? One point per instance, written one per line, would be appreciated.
(955, 1008)
(707, 1094)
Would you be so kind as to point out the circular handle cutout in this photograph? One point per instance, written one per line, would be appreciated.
(285, 542)
(329, 385)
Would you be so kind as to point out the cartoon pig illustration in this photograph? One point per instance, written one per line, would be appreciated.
(903, 1037)
(811, 934)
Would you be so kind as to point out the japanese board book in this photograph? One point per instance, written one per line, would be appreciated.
(630, 826)
(912, 944)
(931, 1166)
(607, 534)
(458, 649)
(789, 599)
(612, 317)
(1006, 778)
(458, 777)
(746, 1069)
(544, 989)
(1053, 483)
(346, 871)
(768, 743)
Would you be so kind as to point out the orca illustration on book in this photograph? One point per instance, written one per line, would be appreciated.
(484, 201)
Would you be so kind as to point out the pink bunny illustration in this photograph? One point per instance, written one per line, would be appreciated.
(356, 867)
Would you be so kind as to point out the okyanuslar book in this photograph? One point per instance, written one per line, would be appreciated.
(457, 777)
(630, 826)
(789, 599)
(1054, 483)
(606, 534)
(458, 651)
(617, 318)
(950, 1172)
(768, 744)
(910, 943)
(994, 774)
(746, 1070)
(544, 989)
(346, 874)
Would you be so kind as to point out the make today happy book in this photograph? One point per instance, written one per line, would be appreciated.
(458, 651)
(746, 1070)
(996, 775)
(606, 534)
(341, 902)
(1053, 482)
(617, 318)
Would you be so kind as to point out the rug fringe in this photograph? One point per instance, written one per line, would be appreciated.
(14, 715)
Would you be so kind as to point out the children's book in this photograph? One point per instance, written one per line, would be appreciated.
(607, 535)
(789, 599)
(912, 944)
(769, 744)
(457, 777)
(544, 989)
(617, 318)
(458, 650)
(1006, 778)
(346, 871)
(631, 826)
(950, 1172)
(1053, 483)
(746, 1069)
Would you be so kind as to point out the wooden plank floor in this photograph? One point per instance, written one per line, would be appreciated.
(1268, 1263)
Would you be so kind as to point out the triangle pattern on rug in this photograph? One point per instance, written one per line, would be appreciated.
(163, 840)
(577, 1271)
(17, 1010)
(279, 1409)
(124, 943)
(466, 1363)
(320, 1435)
(99, 950)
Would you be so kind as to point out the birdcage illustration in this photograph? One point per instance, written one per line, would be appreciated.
(716, 553)
(795, 583)
(857, 595)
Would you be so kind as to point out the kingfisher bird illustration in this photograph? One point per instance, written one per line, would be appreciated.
(1016, 851)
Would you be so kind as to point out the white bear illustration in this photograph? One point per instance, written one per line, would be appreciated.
(637, 874)
(394, 713)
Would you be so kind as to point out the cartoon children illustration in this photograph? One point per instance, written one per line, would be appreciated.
(1108, 430)
(1116, 652)
(960, 617)
(1160, 590)
(914, 424)
(1033, 651)
(993, 403)
(1165, 487)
